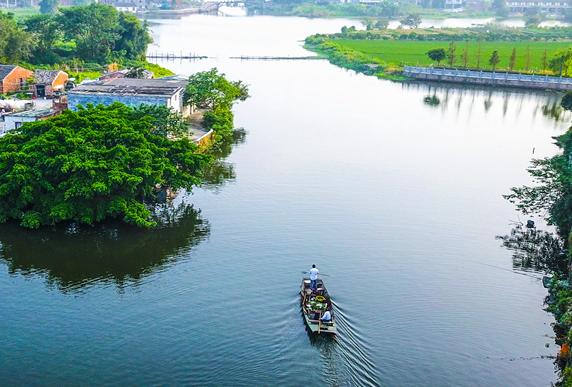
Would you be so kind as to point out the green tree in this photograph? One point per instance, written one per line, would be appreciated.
(15, 43)
(465, 55)
(544, 60)
(93, 28)
(452, 53)
(211, 90)
(479, 55)
(494, 59)
(45, 30)
(512, 60)
(437, 55)
(412, 20)
(90, 165)
(552, 189)
(133, 38)
(561, 62)
(48, 6)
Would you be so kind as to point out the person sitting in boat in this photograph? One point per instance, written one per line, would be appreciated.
(326, 317)
(314, 277)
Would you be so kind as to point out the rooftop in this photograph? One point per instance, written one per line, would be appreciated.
(34, 113)
(132, 86)
(5, 70)
(45, 76)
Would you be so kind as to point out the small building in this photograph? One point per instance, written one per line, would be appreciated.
(454, 5)
(113, 75)
(131, 92)
(552, 7)
(15, 120)
(13, 78)
(47, 83)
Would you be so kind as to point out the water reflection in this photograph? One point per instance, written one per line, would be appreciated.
(220, 171)
(431, 100)
(535, 249)
(73, 257)
(555, 111)
(77, 257)
(451, 97)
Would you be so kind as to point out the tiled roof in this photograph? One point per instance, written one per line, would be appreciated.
(45, 77)
(5, 70)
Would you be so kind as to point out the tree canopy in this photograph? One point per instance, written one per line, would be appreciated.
(437, 55)
(95, 33)
(92, 164)
(211, 90)
(412, 20)
(15, 44)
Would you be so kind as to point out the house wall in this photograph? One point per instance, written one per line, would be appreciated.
(15, 80)
(14, 121)
(11, 122)
(58, 83)
(176, 102)
(74, 100)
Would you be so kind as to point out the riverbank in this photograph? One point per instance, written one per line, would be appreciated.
(384, 53)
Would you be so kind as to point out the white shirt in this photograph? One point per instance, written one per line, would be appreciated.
(327, 316)
(314, 274)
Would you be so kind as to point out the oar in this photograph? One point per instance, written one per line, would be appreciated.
(325, 275)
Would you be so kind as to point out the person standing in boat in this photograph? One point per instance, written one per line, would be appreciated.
(314, 277)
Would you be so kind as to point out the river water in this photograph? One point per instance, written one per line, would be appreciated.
(398, 200)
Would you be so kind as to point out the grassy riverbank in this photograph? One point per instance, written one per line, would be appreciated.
(528, 57)
(384, 53)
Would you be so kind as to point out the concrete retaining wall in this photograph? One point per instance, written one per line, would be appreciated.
(488, 78)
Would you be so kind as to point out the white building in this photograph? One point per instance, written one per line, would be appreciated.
(131, 92)
(550, 6)
(15, 120)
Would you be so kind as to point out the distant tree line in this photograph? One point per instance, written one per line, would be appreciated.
(94, 33)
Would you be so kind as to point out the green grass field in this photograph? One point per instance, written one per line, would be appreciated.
(410, 52)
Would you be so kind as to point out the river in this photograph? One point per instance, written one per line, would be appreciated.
(396, 199)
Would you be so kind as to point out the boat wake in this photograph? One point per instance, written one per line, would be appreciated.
(346, 357)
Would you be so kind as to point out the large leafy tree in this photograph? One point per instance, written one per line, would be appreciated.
(46, 32)
(92, 164)
(133, 36)
(211, 90)
(15, 43)
(93, 28)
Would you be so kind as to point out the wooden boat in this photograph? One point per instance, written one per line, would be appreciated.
(314, 305)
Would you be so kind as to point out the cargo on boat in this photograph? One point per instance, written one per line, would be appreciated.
(314, 304)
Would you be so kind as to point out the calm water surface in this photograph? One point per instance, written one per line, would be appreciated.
(399, 201)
